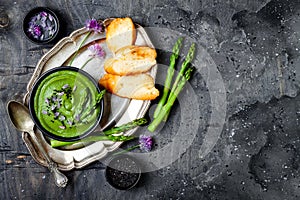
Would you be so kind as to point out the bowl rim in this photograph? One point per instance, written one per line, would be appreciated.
(30, 14)
(33, 114)
(116, 158)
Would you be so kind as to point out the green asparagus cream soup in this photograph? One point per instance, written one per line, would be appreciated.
(65, 103)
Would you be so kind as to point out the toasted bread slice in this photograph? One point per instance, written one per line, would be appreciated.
(120, 33)
(140, 86)
(131, 60)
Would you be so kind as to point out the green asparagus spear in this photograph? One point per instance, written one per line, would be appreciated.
(56, 143)
(91, 109)
(100, 96)
(185, 64)
(126, 127)
(167, 86)
(173, 95)
(108, 134)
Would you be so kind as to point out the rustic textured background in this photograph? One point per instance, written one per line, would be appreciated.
(255, 45)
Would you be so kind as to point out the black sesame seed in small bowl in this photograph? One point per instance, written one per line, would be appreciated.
(123, 172)
(41, 25)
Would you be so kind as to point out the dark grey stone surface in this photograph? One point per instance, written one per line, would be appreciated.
(255, 47)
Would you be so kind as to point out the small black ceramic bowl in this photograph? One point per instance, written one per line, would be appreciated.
(41, 25)
(123, 172)
(63, 104)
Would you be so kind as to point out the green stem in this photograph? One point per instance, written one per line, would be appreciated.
(86, 62)
(170, 73)
(126, 150)
(80, 45)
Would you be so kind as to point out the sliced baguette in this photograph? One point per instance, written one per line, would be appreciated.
(120, 33)
(131, 60)
(140, 86)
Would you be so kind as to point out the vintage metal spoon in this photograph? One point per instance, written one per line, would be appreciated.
(20, 117)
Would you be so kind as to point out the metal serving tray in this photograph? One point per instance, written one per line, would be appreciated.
(118, 110)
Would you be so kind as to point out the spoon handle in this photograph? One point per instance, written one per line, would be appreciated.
(60, 179)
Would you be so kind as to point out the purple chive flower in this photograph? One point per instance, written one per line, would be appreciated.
(43, 23)
(42, 26)
(47, 101)
(93, 25)
(54, 98)
(97, 50)
(44, 112)
(50, 18)
(36, 30)
(60, 93)
(51, 32)
(62, 127)
(145, 143)
(56, 114)
(53, 107)
(33, 20)
(43, 14)
(65, 86)
(62, 118)
(69, 122)
(58, 105)
(77, 117)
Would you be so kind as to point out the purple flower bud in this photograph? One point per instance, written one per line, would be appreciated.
(56, 114)
(62, 127)
(43, 24)
(145, 143)
(65, 86)
(43, 14)
(44, 112)
(51, 32)
(97, 50)
(34, 19)
(60, 93)
(69, 122)
(54, 98)
(37, 31)
(62, 118)
(77, 117)
(58, 105)
(74, 88)
(93, 25)
(47, 101)
(53, 107)
(50, 18)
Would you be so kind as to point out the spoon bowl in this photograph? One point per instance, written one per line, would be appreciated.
(19, 115)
